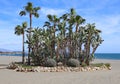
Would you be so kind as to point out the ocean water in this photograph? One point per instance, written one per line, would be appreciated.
(114, 56)
(12, 54)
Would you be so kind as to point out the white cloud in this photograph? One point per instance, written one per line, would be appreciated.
(46, 11)
(109, 24)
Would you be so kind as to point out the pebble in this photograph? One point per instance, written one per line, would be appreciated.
(61, 69)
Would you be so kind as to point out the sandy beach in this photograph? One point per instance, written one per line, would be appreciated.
(93, 77)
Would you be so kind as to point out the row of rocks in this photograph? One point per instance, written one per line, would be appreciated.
(61, 69)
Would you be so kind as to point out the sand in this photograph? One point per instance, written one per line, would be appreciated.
(93, 77)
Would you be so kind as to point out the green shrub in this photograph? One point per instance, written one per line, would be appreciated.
(50, 63)
(83, 64)
(97, 64)
(107, 64)
(73, 63)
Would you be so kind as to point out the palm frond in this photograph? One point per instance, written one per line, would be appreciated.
(22, 13)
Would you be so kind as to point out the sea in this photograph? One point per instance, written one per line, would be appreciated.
(112, 56)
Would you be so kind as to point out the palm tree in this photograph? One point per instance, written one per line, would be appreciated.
(96, 40)
(20, 30)
(92, 38)
(32, 11)
(48, 36)
(37, 45)
(78, 20)
(71, 23)
(62, 26)
(53, 22)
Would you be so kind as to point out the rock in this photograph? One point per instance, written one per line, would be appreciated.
(82, 69)
(60, 64)
(12, 65)
(35, 70)
(17, 70)
(61, 69)
(109, 68)
(88, 68)
(48, 70)
(85, 69)
(65, 69)
(97, 68)
(103, 67)
(93, 69)
(45, 68)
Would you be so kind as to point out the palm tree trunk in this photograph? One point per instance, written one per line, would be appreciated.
(53, 42)
(88, 55)
(30, 22)
(94, 49)
(80, 48)
(29, 49)
(77, 27)
(57, 54)
(88, 51)
(23, 52)
(71, 50)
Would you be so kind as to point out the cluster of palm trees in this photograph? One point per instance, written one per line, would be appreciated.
(60, 38)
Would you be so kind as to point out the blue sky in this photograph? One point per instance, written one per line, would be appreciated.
(105, 13)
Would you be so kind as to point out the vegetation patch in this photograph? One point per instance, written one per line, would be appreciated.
(60, 38)
(65, 40)
(92, 67)
(73, 63)
(97, 64)
(50, 63)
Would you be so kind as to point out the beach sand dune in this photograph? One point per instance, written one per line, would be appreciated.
(93, 77)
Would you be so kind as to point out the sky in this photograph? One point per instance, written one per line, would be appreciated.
(104, 13)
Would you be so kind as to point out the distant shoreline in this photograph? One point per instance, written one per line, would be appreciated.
(26, 56)
(97, 55)
(10, 52)
(102, 56)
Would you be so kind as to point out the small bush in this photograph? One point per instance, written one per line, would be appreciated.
(101, 64)
(83, 64)
(97, 64)
(73, 63)
(50, 63)
(107, 65)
